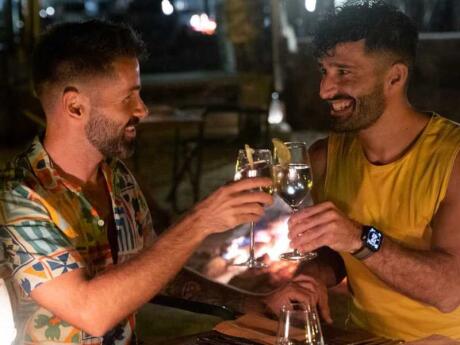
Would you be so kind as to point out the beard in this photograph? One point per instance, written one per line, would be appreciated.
(109, 137)
(367, 110)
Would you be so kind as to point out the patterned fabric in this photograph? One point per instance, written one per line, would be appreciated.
(48, 228)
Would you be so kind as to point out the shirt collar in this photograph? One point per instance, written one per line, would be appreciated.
(46, 172)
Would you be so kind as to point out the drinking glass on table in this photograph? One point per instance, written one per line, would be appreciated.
(293, 182)
(259, 166)
(299, 324)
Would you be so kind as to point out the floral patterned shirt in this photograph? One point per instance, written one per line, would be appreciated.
(48, 228)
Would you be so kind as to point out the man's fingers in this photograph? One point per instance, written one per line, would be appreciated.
(249, 197)
(249, 183)
(319, 219)
(307, 212)
(323, 304)
(321, 291)
(254, 209)
(310, 240)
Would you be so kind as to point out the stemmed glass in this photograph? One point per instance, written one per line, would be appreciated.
(299, 324)
(293, 183)
(261, 166)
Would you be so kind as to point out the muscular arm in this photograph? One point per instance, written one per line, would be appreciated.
(430, 276)
(193, 286)
(96, 305)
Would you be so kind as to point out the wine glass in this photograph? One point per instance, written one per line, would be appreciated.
(293, 183)
(261, 167)
(299, 324)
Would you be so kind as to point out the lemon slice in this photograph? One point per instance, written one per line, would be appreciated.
(282, 152)
(249, 153)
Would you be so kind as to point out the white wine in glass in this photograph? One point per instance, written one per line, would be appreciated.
(259, 166)
(293, 182)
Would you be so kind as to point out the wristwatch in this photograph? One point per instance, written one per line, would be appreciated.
(372, 239)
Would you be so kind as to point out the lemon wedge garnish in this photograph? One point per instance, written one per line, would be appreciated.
(281, 152)
(249, 153)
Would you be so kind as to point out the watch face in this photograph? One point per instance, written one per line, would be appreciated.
(374, 239)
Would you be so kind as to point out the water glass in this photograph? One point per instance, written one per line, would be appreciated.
(299, 324)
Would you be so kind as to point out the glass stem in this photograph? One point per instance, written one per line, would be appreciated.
(251, 241)
(294, 210)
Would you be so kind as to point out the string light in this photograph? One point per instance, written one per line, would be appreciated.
(310, 5)
(167, 7)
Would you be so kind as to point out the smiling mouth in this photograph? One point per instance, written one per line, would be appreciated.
(341, 107)
(130, 131)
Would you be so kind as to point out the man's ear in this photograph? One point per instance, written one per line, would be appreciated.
(397, 76)
(74, 103)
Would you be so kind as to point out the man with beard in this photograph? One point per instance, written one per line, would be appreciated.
(386, 185)
(74, 224)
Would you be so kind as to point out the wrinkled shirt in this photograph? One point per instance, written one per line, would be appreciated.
(48, 227)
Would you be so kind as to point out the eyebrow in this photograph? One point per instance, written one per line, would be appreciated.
(135, 88)
(337, 65)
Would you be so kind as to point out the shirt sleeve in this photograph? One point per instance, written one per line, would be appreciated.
(38, 253)
(36, 249)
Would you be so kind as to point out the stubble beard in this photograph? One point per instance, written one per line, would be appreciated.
(368, 109)
(108, 137)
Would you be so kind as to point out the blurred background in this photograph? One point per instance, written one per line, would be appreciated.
(221, 73)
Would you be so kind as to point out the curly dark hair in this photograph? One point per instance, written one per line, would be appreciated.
(73, 50)
(382, 26)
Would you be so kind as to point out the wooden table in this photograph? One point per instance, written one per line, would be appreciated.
(332, 336)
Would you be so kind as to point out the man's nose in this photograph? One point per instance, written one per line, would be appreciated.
(141, 110)
(328, 87)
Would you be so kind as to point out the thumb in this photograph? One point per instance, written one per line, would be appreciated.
(323, 304)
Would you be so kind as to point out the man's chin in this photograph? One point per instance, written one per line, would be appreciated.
(342, 123)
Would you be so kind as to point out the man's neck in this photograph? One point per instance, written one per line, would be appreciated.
(393, 134)
(78, 161)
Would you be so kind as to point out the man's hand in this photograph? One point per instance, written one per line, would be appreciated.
(324, 225)
(233, 204)
(303, 289)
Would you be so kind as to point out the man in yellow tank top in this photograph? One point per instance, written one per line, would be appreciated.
(386, 184)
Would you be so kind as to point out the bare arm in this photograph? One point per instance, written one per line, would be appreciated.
(96, 305)
(430, 276)
(193, 286)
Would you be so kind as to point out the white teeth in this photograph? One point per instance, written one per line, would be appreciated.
(341, 105)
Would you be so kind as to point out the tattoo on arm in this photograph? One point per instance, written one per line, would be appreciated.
(193, 286)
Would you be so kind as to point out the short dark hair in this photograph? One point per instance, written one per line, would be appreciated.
(382, 26)
(71, 50)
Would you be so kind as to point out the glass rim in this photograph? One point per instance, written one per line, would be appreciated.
(296, 306)
(295, 143)
(256, 150)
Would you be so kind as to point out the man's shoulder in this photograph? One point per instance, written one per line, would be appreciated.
(444, 133)
(318, 158)
(318, 150)
(18, 185)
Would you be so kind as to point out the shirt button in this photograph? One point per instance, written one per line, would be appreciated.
(100, 222)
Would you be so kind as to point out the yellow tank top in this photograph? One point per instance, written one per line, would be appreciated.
(399, 198)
